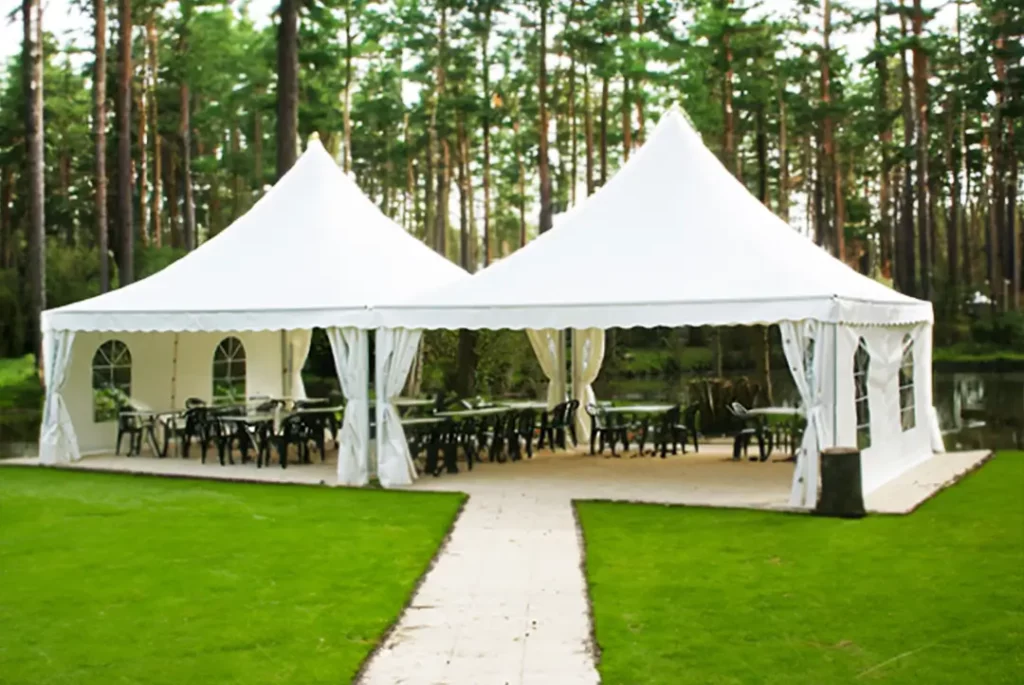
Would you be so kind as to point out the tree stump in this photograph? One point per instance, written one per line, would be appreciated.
(842, 493)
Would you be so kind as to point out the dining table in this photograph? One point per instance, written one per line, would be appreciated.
(783, 424)
(150, 419)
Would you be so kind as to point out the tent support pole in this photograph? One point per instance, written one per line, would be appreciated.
(285, 390)
(174, 373)
(835, 384)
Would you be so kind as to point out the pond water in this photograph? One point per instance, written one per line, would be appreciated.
(976, 409)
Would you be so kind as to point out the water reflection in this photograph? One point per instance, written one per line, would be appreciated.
(976, 410)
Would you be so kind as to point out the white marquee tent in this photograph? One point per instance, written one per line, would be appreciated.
(313, 252)
(674, 239)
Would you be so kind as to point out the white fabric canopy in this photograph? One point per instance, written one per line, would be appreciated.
(395, 351)
(351, 350)
(313, 252)
(672, 239)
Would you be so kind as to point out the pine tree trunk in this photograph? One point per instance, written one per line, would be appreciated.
(444, 158)
(588, 129)
(126, 222)
(828, 135)
(347, 93)
(921, 100)
(257, 145)
(961, 170)
(465, 259)
(573, 132)
(173, 198)
(99, 98)
(604, 129)
(158, 200)
(236, 178)
(188, 207)
(884, 202)
(486, 68)
(143, 180)
(6, 225)
(952, 225)
(287, 86)
(542, 87)
(905, 247)
(729, 130)
(783, 158)
(522, 184)
(32, 68)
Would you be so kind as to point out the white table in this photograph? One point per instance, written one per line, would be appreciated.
(776, 411)
(467, 413)
(525, 404)
(638, 409)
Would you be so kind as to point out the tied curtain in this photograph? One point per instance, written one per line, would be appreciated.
(298, 349)
(395, 353)
(548, 345)
(57, 440)
(810, 354)
(351, 351)
(587, 356)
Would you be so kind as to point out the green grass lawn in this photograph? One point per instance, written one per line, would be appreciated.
(707, 596)
(127, 579)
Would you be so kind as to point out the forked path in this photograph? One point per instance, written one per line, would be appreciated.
(504, 603)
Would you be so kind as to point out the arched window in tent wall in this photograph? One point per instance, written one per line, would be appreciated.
(861, 366)
(229, 371)
(111, 380)
(908, 415)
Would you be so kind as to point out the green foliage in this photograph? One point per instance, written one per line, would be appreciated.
(210, 576)
(690, 595)
(1005, 329)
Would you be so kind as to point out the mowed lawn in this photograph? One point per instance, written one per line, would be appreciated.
(125, 579)
(708, 596)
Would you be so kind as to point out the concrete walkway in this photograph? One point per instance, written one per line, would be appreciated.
(505, 603)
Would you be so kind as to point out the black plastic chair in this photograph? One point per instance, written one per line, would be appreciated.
(668, 433)
(132, 426)
(526, 428)
(554, 432)
(294, 431)
(691, 426)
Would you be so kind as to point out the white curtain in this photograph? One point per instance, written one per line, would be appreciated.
(57, 440)
(549, 347)
(923, 382)
(351, 351)
(587, 355)
(396, 350)
(809, 352)
(298, 349)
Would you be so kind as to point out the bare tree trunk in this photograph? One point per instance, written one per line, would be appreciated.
(99, 97)
(573, 132)
(486, 68)
(257, 146)
(543, 163)
(464, 197)
(783, 158)
(952, 226)
(188, 209)
(729, 131)
(32, 68)
(444, 158)
(961, 171)
(921, 100)
(287, 86)
(143, 180)
(6, 225)
(126, 222)
(522, 184)
(172, 198)
(884, 202)
(347, 93)
(588, 129)
(604, 129)
(905, 247)
(828, 137)
(153, 113)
